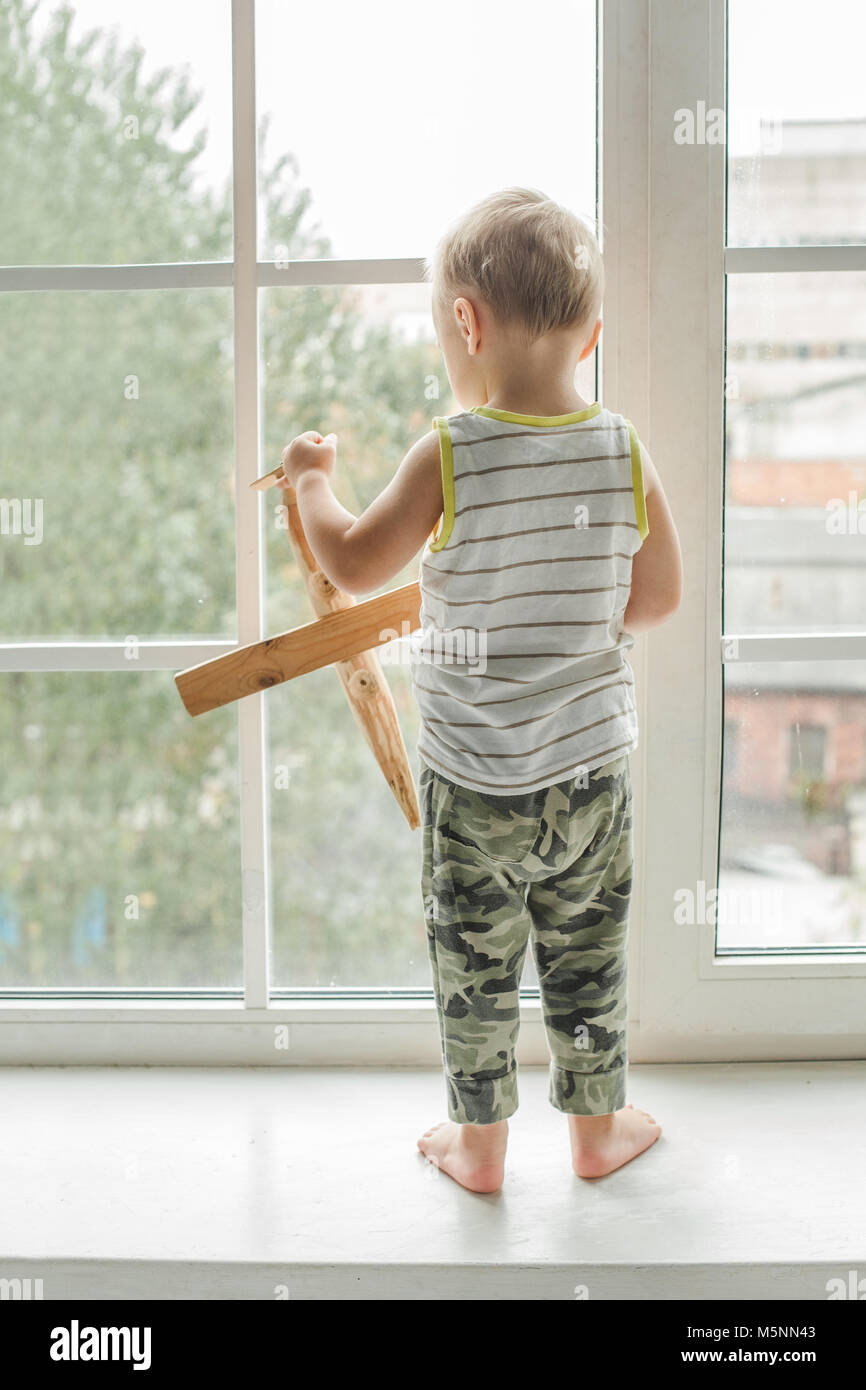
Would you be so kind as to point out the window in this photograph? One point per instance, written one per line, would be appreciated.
(175, 308)
(790, 834)
(732, 745)
(120, 821)
(204, 259)
(795, 463)
(752, 905)
(808, 743)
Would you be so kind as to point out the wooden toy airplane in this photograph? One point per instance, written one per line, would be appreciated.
(344, 634)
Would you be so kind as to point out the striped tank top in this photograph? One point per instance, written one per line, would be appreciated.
(519, 667)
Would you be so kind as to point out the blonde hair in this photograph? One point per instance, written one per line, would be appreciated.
(531, 260)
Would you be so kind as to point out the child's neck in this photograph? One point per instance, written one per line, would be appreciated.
(537, 403)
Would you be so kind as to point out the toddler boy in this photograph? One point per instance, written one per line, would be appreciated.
(548, 544)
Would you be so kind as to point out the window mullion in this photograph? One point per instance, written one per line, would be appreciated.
(793, 646)
(624, 83)
(767, 260)
(128, 655)
(251, 749)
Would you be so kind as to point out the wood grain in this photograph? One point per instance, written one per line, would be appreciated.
(345, 634)
(360, 672)
(329, 639)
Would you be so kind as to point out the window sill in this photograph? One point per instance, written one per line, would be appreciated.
(257, 1184)
(357, 1033)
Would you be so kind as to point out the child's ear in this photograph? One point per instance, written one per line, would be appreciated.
(592, 342)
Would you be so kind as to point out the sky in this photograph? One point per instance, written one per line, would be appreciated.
(402, 114)
(394, 110)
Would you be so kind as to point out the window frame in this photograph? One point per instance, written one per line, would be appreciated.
(661, 291)
(221, 1025)
(687, 994)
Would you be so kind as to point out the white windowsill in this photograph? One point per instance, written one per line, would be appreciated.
(358, 1033)
(199, 1183)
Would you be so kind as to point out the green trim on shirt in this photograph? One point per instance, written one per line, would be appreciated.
(637, 483)
(446, 457)
(541, 420)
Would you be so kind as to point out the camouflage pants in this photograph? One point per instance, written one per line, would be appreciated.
(554, 865)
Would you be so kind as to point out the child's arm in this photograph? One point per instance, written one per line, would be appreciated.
(360, 553)
(657, 568)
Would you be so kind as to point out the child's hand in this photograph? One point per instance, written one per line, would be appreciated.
(308, 452)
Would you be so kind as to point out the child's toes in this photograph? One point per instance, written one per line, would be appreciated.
(427, 1133)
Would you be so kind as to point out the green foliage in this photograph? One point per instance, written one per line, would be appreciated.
(118, 415)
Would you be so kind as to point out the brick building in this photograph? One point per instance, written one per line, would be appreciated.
(795, 491)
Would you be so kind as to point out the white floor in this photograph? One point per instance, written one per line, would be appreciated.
(267, 1183)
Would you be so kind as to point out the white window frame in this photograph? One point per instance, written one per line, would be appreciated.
(662, 291)
(692, 1004)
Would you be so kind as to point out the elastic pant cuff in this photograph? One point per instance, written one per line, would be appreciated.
(484, 1101)
(587, 1093)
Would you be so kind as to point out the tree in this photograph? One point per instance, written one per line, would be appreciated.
(119, 824)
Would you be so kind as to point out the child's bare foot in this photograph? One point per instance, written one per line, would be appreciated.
(473, 1155)
(601, 1143)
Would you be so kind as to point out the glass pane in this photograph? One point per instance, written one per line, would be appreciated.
(796, 123)
(119, 835)
(793, 843)
(129, 158)
(117, 514)
(346, 867)
(346, 877)
(386, 134)
(360, 360)
(795, 471)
